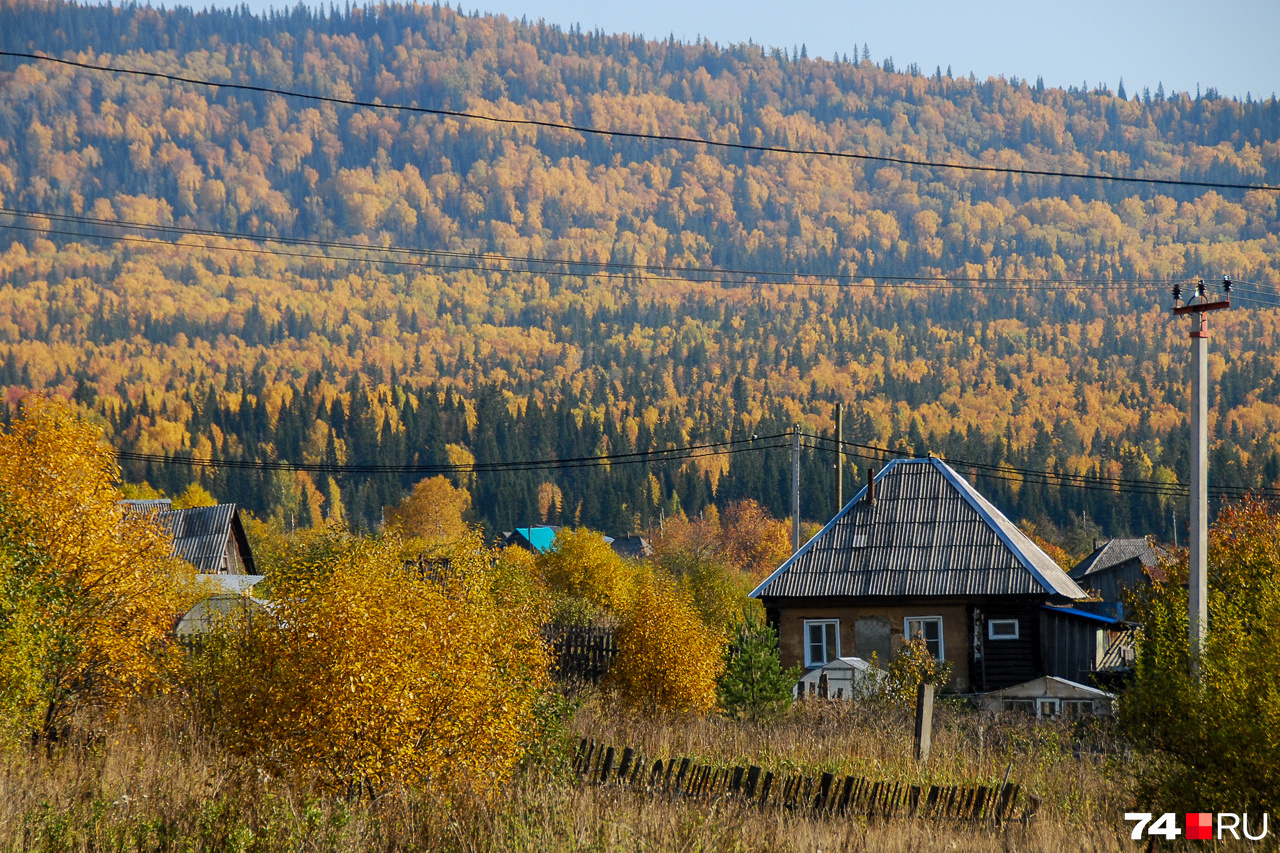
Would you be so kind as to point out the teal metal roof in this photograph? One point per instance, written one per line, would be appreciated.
(542, 539)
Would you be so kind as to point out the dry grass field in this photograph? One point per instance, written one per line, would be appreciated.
(155, 781)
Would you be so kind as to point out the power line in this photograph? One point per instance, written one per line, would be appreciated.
(695, 451)
(652, 137)
(1008, 473)
(1088, 482)
(531, 259)
(923, 282)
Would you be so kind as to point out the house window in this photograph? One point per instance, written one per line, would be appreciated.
(1077, 707)
(1002, 629)
(821, 641)
(929, 628)
(1048, 708)
(1019, 706)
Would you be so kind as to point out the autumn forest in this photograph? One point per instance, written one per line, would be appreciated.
(343, 300)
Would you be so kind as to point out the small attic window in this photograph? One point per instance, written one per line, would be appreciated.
(1002, 629)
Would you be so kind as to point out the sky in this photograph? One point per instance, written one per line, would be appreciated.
(1228, 45)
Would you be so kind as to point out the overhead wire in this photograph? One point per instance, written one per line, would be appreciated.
(1012, 473)
(639, 135)
(667, 269)
(695, 451)
(651, 272)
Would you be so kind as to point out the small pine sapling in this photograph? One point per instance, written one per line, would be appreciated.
(754, 685)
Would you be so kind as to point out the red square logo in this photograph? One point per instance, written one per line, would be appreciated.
(1199, 826)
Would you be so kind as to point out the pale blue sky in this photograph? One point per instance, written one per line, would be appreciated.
(1230, 45)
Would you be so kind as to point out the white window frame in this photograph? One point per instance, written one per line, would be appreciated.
(991, 629)
(809, 662)
(909, 635)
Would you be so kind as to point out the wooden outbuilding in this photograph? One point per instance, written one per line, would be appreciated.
(1117, 567)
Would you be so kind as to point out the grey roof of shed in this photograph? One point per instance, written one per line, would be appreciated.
(201, 535)
(929, 533)
(1114, 553)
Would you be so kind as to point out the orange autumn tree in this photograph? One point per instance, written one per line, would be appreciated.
(369, 672)
(87, 592)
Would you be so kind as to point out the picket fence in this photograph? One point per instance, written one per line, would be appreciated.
(580, 653)
(818, 796)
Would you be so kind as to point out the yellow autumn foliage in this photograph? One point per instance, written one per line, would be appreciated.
(89, 591)
(582, 564)
(432, 512)
(668, 659)
(369, 671)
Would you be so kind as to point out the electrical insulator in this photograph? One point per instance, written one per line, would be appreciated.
(1200, 288)
(1226, 285)
(1177, 294)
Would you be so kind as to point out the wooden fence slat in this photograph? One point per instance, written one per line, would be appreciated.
(666, 778)
(979, 801)
(913, 801)
(624, 766)
(931, 803)
(655, 775)
(846, 791)
(753, 780)
(765, 787)
(606, 766)
(1005, 804)
(735, 781)
(684, 771)
(823, 801)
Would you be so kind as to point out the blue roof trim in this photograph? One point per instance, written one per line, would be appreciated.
(962, 486)
(1085, 614)
(786, 564)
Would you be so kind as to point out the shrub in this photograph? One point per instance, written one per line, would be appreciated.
(1214, 740)
(369, 674)
(667, 660)
(583, 565)
(911, 666)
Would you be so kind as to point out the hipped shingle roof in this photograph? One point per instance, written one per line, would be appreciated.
(929, 533)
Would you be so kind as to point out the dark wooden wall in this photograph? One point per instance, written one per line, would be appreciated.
(1003, 663)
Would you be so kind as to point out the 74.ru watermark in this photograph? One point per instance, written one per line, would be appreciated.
(1199, 826)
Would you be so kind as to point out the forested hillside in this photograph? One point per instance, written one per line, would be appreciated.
(444, 290)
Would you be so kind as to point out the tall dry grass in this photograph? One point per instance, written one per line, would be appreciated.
(155, 781)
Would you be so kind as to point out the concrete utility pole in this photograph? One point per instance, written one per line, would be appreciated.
(1198, 581)
(795, 489)
(839, 456)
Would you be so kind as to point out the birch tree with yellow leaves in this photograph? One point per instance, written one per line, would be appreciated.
(88, 592)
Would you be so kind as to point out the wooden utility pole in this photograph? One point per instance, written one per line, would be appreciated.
(795, 489)
(924, 721)
(839, 456)
(1198, 581)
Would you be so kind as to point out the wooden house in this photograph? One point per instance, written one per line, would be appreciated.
(1118, 566)
(919, 552)
(633, 546)
(211, 538)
